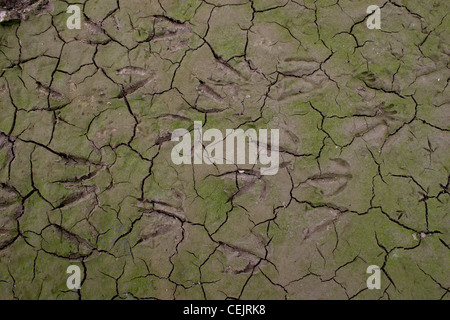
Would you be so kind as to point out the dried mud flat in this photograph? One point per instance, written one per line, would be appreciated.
(86, 176)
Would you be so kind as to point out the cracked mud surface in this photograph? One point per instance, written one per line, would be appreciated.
(86, 176)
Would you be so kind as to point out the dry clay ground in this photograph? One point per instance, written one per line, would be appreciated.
(87, 179)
